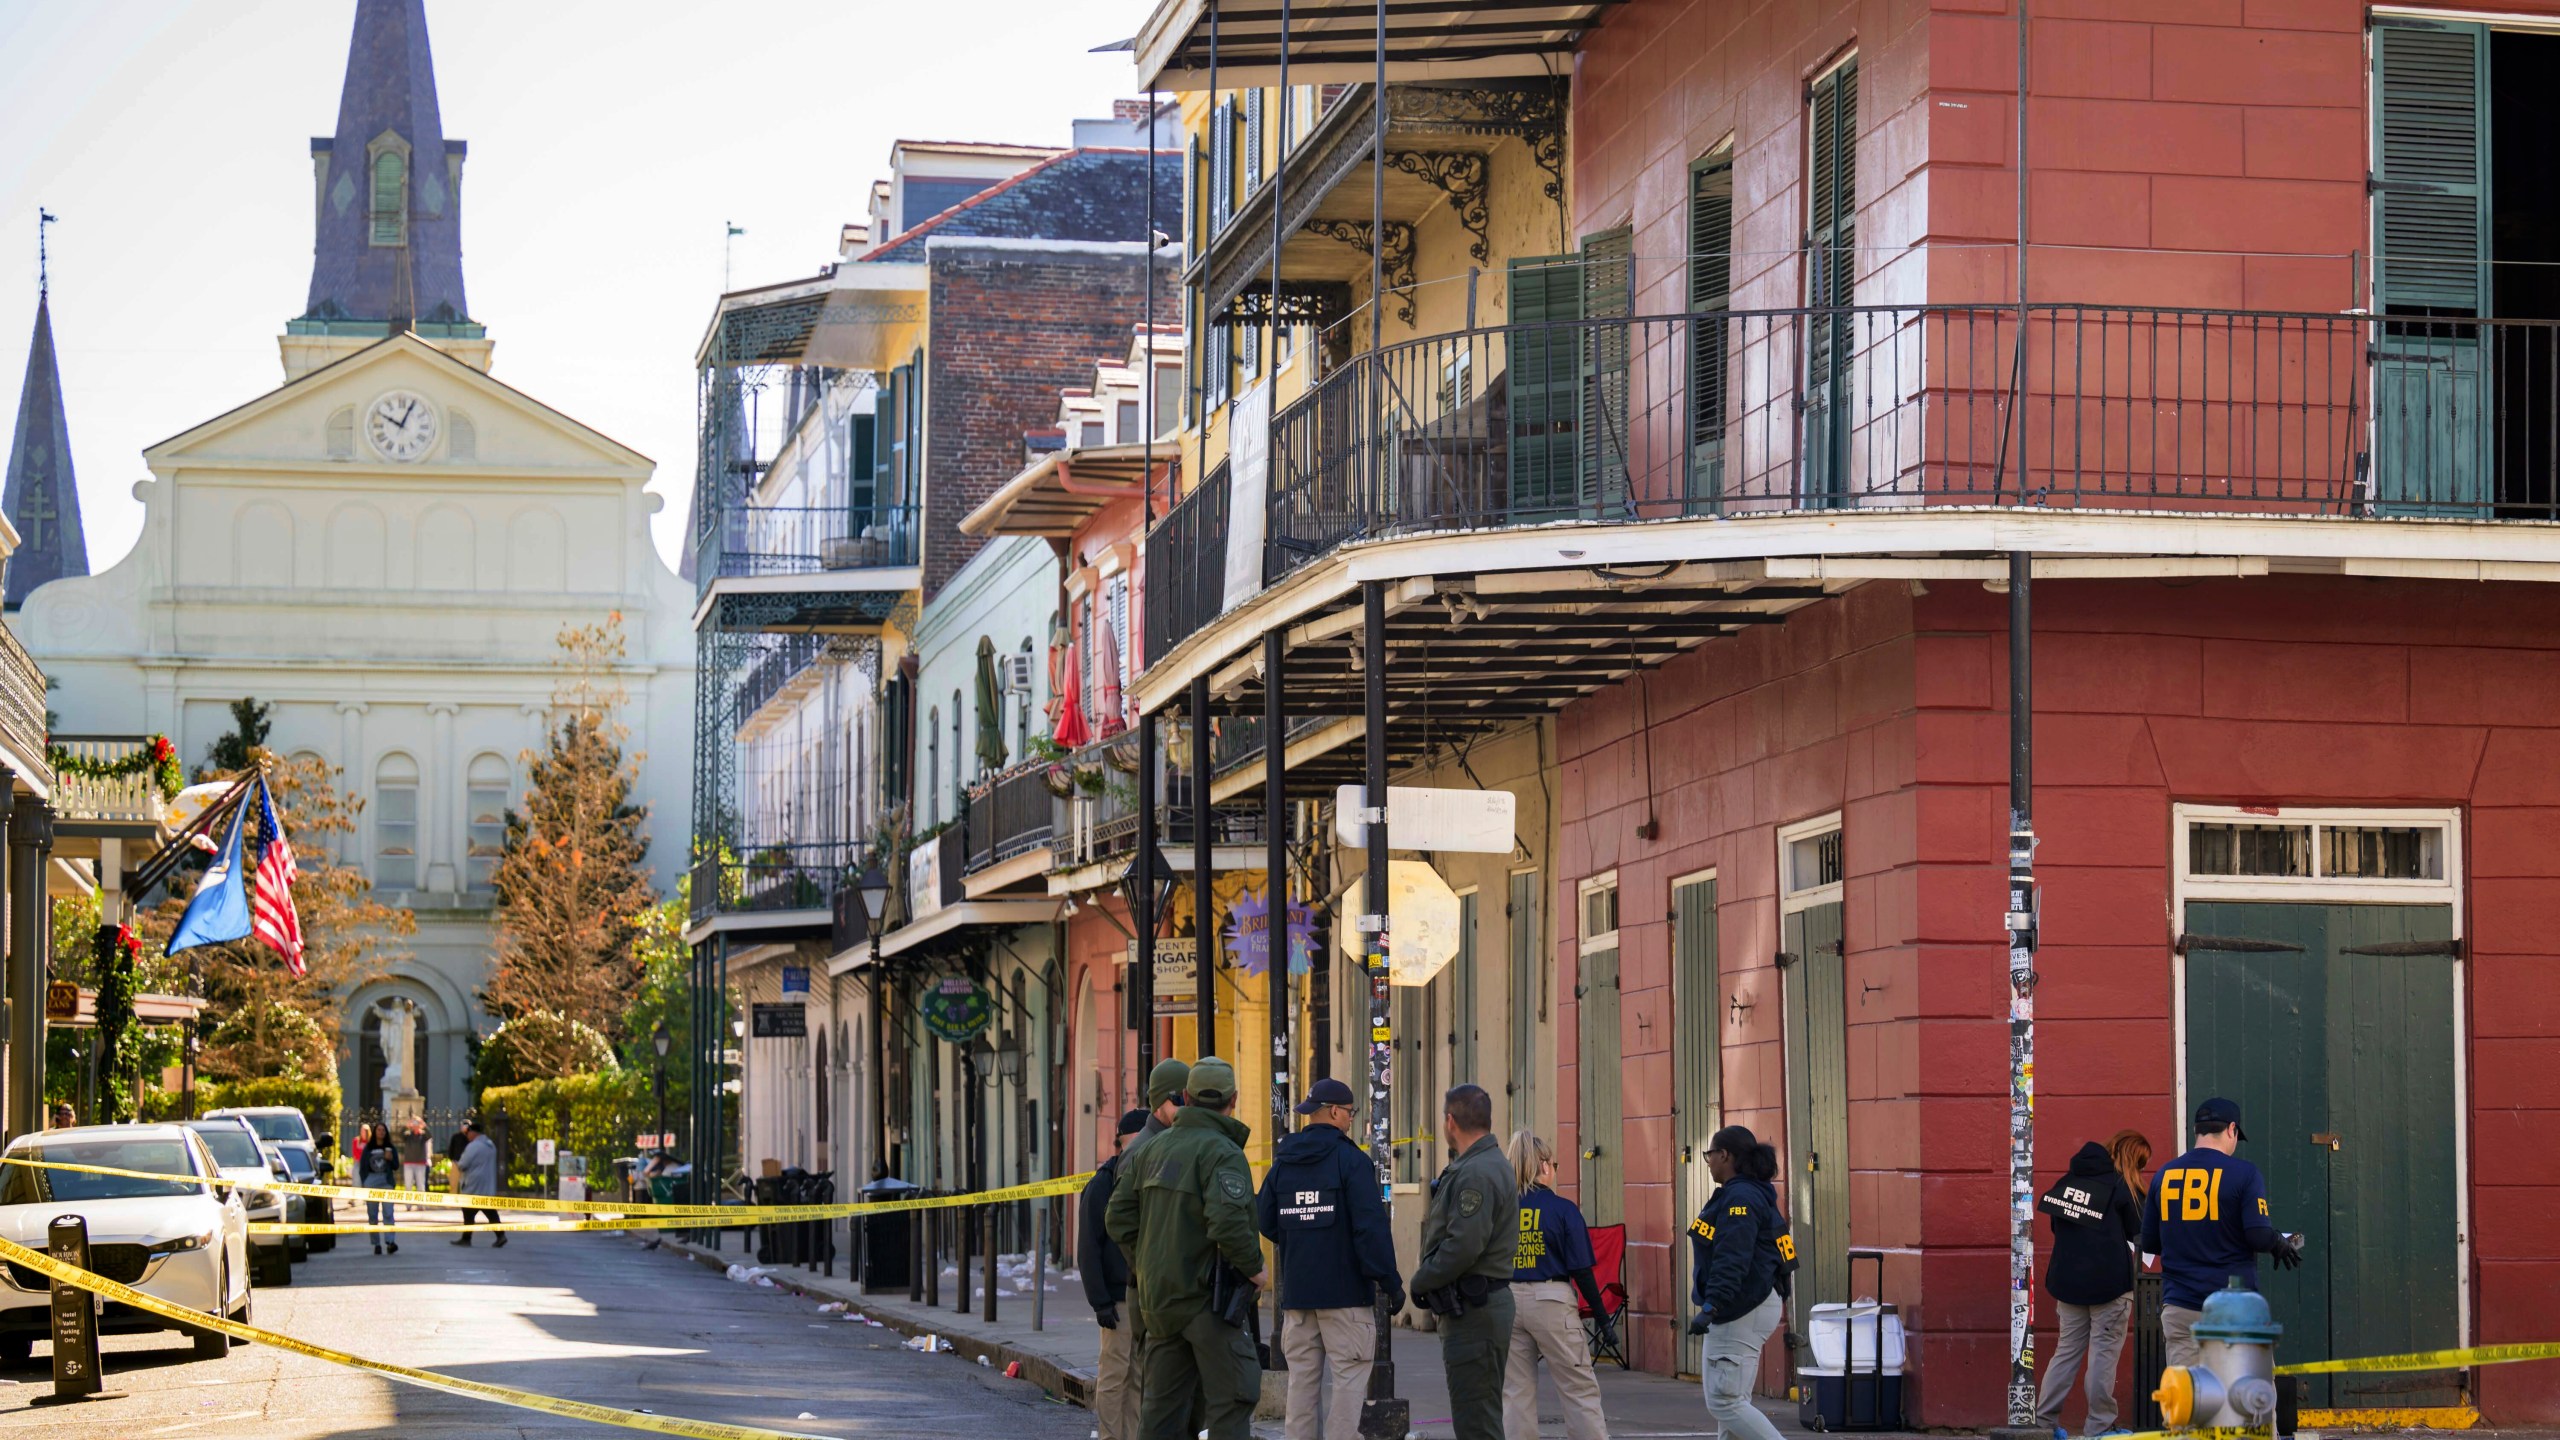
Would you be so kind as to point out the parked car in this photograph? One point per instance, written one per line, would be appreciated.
(279, 1123)
(303, 1161)
(183, 1241)
(236, 1149)
(298, 1209)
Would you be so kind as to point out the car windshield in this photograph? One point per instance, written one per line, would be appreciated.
(287, 1126)
(23, 1185)
(231, 1146)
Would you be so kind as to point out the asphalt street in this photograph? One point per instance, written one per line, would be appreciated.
(584, 1317)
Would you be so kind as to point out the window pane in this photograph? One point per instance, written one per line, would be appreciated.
(1128, 421)
(395, 837)
(1599, 912)
(2221, 848)
(2382, 852)
(488, 832)
(1813, 861)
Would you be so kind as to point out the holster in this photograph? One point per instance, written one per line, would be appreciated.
(1230, 1298)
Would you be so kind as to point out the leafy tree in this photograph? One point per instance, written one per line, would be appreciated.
(235, 751)
(539, 1045)
(571, 879)
(665, 996)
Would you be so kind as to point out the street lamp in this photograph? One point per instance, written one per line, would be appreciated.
(873, 886)
(660, 1040)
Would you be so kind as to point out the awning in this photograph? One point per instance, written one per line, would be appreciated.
(956, 917)
(1056, 494)
(1337, 40)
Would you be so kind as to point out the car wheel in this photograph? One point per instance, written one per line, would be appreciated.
(17, 1349)
(297, 1249)
(214, 1344)
(273, 1263)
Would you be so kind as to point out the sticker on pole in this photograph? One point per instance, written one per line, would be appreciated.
(1422, 922)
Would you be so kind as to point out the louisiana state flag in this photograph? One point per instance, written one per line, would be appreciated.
(220, 910)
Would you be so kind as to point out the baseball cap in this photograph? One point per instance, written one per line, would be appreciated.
(1323, 1093)
(1167, 1081)
(2218, 1111)
(1133, 1122)
(1213, 1081)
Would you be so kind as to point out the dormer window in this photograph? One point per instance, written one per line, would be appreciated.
(390, 206)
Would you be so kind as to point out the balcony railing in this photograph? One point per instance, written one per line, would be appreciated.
(22, 723)
(1099, 821)
(1011, 815)
(745, 541)
(763, 879)
(133, 799)
(1879, 407)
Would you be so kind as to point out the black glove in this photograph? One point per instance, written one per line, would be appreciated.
(1608, 1329)
(1698, 1323)
(1108, 1317)
(1395, 1300)
(2288, 1253)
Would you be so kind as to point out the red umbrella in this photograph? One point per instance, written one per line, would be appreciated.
(1072, 732)
(1107, 707)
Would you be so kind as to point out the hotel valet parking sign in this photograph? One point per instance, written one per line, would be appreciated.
(957, 1009)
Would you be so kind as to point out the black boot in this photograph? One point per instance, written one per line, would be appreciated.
(461, 1239)
(391, 1246)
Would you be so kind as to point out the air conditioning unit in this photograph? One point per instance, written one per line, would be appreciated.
(1017, 672)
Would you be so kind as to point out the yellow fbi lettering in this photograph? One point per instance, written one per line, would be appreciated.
(1533, 1240)
(2193, 1194)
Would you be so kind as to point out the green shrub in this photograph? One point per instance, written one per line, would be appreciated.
(597, 1115)
(318, 1100)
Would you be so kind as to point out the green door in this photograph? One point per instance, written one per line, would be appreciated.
(1609, 299)
(1696, 1017)
(2332, 1026)
(1817, 1150)
(1604, 1170)
(2431, 189)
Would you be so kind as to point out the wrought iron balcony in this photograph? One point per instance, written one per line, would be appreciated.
(770, 879)
(1098, 819)
(1010, 815)
(1879, 407)
(750, 541)
(22, 719)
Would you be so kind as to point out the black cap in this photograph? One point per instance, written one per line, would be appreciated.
(1323, 1093)
(1131, 1122)
(2219, 1112)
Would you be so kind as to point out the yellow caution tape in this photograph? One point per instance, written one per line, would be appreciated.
(447, 1199)
(46, 1265)
(2430, 1359)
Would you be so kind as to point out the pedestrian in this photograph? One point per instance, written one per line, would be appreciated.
(1165, 1085)
(476, 1173)
(1470, 1241)
(1105, 1269)
(1321, 1209)
(2207, 1221)
(1742, 1267)
(1185, 1216)
(413, 1155)
(2096, 1214)
(378, 1168)
(63, 1118)
(1553, 1266)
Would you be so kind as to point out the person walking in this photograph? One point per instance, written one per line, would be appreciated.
(1470, 1238)
(1321, 1210)
(413, 1155)
(378, 1168)
(476, 1173)
(2207, 1221)
(1552, 1267)
(1185, 1216)
(1742, 1267)
(1106, 1287)
(2095, 1211)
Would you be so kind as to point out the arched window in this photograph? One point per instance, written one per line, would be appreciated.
(933, 766)
(959, 749)
(390, 198)
(395, 823)
(492, 787)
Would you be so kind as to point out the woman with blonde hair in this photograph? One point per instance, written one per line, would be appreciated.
(1553, 1263)
(2095, 1210)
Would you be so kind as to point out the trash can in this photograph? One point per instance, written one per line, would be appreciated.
(818, 1237)
(886, 1261)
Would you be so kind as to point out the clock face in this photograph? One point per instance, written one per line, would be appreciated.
(401, 425)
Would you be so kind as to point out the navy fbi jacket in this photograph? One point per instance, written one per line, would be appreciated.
(2207, 1221)
(1321, 1208)
(1740, 1251)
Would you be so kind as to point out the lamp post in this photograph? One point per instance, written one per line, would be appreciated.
(660, 1040)
(873, 885)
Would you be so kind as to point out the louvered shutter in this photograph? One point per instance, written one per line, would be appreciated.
(1222, 167)
(1546, 383)
(1831, 256)
(1252, 141)
(1608, 294)
(2431, 184)
(1710, 300)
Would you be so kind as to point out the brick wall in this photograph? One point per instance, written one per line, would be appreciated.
(1011, 328)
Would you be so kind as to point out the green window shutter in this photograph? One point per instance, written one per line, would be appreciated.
(390, 198)
(1546, 382)
(1831, 272)
(1608, 293)
(1710, 297)
(2431, 184)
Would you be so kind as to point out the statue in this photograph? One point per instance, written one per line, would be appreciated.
(399, 1045)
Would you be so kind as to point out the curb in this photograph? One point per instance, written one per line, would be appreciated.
(1071, 1385)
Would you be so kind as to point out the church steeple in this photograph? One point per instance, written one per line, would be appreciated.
(387, 252)
(40, 496)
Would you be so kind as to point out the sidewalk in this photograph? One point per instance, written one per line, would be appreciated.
(1060, 1357)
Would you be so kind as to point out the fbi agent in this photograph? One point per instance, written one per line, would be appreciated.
(2208, 1223)
(1742, 1272)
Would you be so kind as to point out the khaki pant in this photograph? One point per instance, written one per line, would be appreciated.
(1729, 1363)
(1207, 1370)
(1337, 1345)
(2178, 1335)
(2094, 1333)
(1115, 1387)
(1547, 1323)
(1475, 1348)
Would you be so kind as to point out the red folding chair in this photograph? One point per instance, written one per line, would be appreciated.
(1609, 1268)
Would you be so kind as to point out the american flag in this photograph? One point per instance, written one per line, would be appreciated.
(273, 918)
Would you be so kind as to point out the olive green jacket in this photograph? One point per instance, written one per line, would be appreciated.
(1473, 1225)
(1182, 1204)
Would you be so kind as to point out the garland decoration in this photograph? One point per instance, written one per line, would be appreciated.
(155, 757)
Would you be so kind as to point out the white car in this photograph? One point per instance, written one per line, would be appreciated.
(183, 1241)
(237, 1149)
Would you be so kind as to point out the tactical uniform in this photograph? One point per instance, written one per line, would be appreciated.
(1470, 1240)
(1181, 1207)
(1742, 1264)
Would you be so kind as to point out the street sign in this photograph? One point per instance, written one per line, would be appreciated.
(1479, 822)
(61, 1000)
(1177, 975)
(1422, 922)
(545, 1151)
(795, 979)
(75, 1315)
(780, 1022)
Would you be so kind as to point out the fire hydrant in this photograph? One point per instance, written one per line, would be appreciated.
(2235, 1387)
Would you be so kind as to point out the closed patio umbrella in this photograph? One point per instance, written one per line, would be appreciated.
(1107, 706)
(1071, 732)
(990, 712)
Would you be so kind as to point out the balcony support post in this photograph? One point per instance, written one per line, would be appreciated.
(30, 850)
(1204, 929)
(1276, 968)
(1142, 906)
(2020, 925)
(1382, 1416)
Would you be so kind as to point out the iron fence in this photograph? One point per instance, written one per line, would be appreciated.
(1187, 565)
(22, 713)
(1010, 815)
(801, 875)
(751, 540)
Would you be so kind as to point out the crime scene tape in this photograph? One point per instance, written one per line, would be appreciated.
(446, 1199)
(2430, 1359)
(51, 1268)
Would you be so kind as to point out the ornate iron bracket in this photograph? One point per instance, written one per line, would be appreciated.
(1395, 254)
(1532, 111)
(1459, 175)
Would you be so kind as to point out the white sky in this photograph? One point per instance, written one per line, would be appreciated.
(611, 140)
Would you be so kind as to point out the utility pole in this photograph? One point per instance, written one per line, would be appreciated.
(2020, 923)
(1383, 1416)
